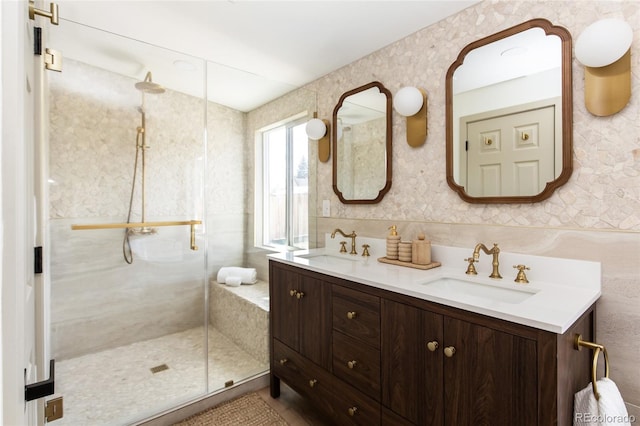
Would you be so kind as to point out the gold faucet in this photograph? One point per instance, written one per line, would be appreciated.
(352, 235)
(495, 251)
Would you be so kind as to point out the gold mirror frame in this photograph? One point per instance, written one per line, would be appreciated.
(384, 91)
(567, 113)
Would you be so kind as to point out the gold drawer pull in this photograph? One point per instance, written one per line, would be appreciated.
(351, 364)
(283, 361)
(292, 293)
(353, 411)
(352, 315)
(300, 295)
(312, 382)
(432, 346)
(449, 351)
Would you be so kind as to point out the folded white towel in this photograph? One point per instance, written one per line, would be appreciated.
(247, 275)
(233, 281)
(608, 410)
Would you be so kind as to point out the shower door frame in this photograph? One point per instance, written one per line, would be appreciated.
(23, 319)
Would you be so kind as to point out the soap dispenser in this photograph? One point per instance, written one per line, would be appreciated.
(421, 251)
(393, 239)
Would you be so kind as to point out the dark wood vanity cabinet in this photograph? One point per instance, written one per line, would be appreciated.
(392, 359)
(468, 373)
(299, 315)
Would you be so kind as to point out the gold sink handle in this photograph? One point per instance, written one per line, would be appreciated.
(471, 269)
(521, 278)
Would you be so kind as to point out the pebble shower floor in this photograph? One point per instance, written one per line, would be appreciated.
(117, 386)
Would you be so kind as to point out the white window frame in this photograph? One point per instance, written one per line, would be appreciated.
(259, 182)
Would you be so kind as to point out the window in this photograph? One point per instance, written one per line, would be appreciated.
(285, 187)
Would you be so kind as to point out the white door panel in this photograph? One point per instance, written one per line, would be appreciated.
(510, 154)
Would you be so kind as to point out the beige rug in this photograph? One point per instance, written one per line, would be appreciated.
(247, 410)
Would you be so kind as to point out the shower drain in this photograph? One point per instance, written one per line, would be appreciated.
(159, 368)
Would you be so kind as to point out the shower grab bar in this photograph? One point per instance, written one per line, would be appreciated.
(191, 223)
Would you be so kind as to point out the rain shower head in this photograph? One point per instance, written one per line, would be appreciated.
(148, 86)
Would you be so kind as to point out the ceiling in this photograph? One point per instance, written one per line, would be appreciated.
(256, 51)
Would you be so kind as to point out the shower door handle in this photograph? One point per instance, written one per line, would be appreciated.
(43, 388)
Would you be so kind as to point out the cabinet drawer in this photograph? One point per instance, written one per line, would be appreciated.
(352, 407)
(356, 314)
(304, 376)
(357, 364)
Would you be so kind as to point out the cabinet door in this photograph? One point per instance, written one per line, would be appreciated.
(491, 378)
(284, 286)
(315, 321)
(411, 373)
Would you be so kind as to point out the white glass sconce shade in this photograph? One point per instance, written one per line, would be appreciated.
(320, 130)
(316, 129)
(411, 102)
(603, 42)
(604, 50)
(408, 101)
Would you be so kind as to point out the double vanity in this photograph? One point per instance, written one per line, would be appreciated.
(373, 343)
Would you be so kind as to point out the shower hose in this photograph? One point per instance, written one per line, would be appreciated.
(126, 245)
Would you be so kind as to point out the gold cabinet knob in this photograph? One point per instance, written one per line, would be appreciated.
(283, 361)
(351, 364)
(312, 382)
(432, 346)
(449, 351)
(292, 293)
(352, 315)
(353, 411)
(299, 295)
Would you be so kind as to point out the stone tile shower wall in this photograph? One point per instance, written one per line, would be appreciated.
(595, 216)
(99, 301)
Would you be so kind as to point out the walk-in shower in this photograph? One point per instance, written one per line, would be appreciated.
(134, 340)
(146, 86)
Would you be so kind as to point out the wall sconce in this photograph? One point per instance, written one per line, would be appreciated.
(604, 49)
(320, 130)
(411, 102)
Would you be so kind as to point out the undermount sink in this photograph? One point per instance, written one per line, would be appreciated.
(463, 289)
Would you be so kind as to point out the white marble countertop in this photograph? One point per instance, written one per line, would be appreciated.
(558, 293)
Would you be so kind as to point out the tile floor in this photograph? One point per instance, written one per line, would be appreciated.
(293, 408)
(109, 387)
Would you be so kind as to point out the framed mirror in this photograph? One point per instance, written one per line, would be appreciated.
(509, 115)
(362, 144)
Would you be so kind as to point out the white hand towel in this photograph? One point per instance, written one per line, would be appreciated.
(233, 281)
(247, 275)
(609, 410)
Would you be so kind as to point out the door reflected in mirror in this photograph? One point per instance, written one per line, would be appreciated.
(362, 145)
(509, 108)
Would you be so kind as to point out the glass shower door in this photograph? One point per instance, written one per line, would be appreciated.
(127, 169)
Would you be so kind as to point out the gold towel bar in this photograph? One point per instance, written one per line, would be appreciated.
(578, 344)
(191, 223)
